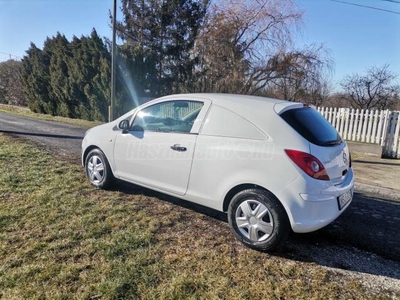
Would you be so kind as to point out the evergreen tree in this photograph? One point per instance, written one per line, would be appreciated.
(78, 78)
(98, 91)
(35, 78)
(90, 77)
(57, 49)
(70, 79)
(161, 36)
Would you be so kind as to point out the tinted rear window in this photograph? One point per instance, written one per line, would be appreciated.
(312, 126)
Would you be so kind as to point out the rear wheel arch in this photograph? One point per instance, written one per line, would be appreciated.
(233, 191)
(245, 186)
(258, 219)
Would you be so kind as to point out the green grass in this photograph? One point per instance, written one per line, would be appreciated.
(24, 111)
(60, 238)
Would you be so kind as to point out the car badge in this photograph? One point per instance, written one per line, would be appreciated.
(345, 160)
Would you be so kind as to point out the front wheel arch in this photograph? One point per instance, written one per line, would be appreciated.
(85, 154)
(105, 178)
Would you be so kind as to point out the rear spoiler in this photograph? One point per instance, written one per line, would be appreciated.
(280, 108)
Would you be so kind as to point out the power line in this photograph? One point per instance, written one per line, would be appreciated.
(392, 1)
(10, 55)
(365, 6)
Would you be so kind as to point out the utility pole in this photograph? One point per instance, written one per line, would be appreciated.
(113, 62)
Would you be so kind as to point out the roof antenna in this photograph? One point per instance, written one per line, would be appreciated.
(295, 92)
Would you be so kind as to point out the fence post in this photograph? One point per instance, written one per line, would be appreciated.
(381, 122)
(373, 134)
(390, 139)
(365, 124)
(369, 128)
(385, 127)
(359, 127)
(334, 118)
(349, 134)
(356, 121)
(340, 121)
(396, 140)
(346, 121)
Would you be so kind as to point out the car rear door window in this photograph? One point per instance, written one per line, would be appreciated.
(312, 126)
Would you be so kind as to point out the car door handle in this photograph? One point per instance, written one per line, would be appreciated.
(178, 147)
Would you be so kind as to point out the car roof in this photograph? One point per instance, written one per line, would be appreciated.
(228, 99)
(251, 107)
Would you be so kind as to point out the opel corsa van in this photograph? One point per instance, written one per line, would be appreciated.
(273, 166)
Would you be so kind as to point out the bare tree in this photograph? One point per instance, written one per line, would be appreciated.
(373, 90)
(11, 91)
(246, 46)
(222, 65)
(239, 40)
(304, 76)
(336, 99)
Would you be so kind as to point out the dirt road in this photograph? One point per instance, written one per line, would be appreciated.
(57, 137)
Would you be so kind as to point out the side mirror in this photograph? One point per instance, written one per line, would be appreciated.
(137, 128)
(124, 125)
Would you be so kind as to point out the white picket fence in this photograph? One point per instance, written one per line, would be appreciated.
(368, 126)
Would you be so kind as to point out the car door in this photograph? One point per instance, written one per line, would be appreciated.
(157, 150)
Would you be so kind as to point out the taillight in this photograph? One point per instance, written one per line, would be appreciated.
(309, 164)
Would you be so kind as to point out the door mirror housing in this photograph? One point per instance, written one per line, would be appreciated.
(124, 125)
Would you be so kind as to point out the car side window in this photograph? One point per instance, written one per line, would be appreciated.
(171, 116)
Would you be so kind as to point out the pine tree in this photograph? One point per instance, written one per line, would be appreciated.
(35, 78)
(161, 36)
(70, 79)
(98, 92)
(58, 51)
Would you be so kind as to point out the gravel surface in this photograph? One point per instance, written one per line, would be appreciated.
(364, 243)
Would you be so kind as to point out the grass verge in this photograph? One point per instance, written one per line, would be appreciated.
(61, 238)
(24, 111)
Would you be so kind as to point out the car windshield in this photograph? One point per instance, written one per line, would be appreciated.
(312, 126)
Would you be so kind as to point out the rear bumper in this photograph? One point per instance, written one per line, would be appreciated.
(315, 207)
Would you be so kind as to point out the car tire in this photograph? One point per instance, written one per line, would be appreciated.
(258, 219)
(98, 169)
